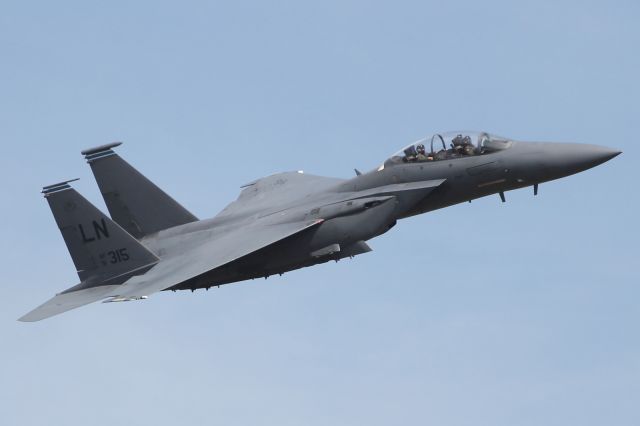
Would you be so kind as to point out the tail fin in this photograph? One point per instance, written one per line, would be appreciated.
(100, 249)
(134, 202)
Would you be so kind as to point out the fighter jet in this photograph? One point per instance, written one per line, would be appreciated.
(281, 222)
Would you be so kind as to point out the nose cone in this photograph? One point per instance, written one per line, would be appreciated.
(577, 157)
(563, 159)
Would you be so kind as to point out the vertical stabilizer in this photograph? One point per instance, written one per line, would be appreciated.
(100, 249)
(134, 202)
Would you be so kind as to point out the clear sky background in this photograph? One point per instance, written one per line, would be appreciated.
(523, 313)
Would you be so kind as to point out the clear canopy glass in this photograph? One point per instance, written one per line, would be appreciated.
(447, 146)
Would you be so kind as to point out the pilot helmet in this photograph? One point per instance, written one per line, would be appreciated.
(420, 148)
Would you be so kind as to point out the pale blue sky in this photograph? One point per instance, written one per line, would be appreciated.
(538, 324)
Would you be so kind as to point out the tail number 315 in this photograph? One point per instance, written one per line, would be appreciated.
(117, 256)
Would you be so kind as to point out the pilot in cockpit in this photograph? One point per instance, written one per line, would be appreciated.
(469, 149)
(457, 143)
(462, 145)
(421, 153)
(410, 154)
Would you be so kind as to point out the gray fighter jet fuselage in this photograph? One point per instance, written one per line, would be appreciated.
(282, 222)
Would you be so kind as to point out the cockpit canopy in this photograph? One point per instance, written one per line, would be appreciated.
(447, 146)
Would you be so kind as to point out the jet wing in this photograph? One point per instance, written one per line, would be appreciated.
(213, 254)
(236, 244)
(171, 271)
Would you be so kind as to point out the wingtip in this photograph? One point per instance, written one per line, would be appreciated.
(28, 318)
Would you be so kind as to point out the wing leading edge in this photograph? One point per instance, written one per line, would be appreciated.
(214, 254)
